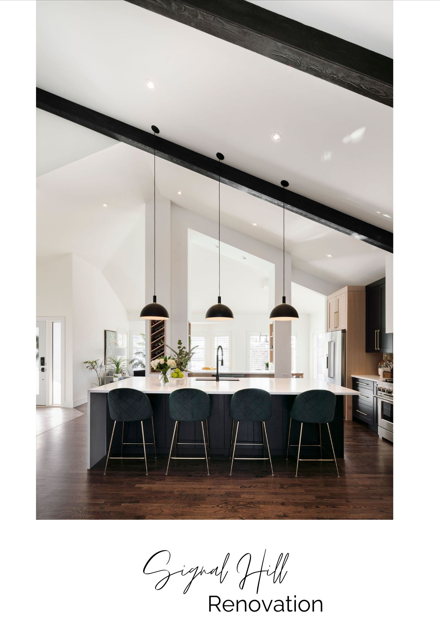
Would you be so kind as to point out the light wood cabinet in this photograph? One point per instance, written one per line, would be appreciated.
(337, 310)
(346, 312)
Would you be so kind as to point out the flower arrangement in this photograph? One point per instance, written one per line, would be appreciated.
(163, 365)
(182, 356)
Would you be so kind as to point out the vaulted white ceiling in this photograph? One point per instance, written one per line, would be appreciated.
(209, 96)
(213, 96)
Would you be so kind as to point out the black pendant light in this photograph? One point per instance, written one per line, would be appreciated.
(219, 312)
(154, 311)
(284, 311)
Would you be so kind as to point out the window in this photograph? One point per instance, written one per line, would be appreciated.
(258, 351)
(318, 355)
(224, 342)
(197, 361)
(293, 353)
(56, 363)
(138, 346)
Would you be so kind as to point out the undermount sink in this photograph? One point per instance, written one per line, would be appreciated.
(213, 379)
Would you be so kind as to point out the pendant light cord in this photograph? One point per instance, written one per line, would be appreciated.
(284, 249)
(219, 256)
(154, 216)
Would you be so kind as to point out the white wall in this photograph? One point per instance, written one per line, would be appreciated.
(95, 308)
(301, 329)
(181, 221)
(54, 298)
(317, 325)
(239, 330)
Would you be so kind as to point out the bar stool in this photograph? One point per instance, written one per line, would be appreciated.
(316, 407)
(250, 405)
(129, 405)
(189, 405)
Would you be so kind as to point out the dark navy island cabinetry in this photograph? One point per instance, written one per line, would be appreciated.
(364, 404)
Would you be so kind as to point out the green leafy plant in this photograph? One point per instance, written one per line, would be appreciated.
(182, 356)
(97, 366)
(118, 364)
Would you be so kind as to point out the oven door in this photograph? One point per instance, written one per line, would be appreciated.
(385, 413)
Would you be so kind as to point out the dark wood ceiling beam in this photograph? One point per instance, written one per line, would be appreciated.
(209, 167)
(287, 41)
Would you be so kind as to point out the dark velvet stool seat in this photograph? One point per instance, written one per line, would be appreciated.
(189, 405)
(128, 405)
(250, 405)
(313, 407)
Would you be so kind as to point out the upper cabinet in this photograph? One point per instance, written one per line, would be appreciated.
(377, 340)
(337, 310)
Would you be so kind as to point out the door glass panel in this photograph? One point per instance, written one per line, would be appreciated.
(56, 363)
(37, 366)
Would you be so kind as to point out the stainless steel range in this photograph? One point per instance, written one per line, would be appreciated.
(384, 398)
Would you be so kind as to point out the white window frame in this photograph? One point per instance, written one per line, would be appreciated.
(201, 335)
(248, 346)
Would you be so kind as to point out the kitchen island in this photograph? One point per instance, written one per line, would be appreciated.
(283, 393)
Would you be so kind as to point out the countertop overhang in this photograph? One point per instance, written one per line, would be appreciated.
(281, 386)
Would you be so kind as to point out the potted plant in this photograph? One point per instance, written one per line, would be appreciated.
(163, 365)
(182, 356)
(119, 365)
(97, 366)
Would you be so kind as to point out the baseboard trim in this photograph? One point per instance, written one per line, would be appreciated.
(77, 402)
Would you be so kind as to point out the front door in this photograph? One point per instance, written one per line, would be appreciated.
(41, 367)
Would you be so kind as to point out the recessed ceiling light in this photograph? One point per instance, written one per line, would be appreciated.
(179, 192)
(326, 156)
(254, 224)
(387, 216)
(329, 256)
(105, 205)
(377, 211)
(355, 136)
(276, 137)
(150, 84)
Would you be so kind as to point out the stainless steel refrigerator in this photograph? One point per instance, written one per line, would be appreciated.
(335, 358)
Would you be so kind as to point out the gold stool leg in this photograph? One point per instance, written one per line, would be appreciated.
(262, 437)
(320, 439)
(204, 444)
(109, 448)
(176, 446)
(334, 454)
(207, 438)
(122, 439)
(154, 438)
(299, 449)
(268, 448)
(171, 448)
(235, 444)
(145, 451)
(288, 439)
(232, 438)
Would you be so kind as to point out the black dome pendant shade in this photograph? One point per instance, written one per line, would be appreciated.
(219, 311)
(154, 311)
(284, 311)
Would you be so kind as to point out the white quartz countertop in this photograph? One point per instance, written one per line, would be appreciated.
(369, 377)
(239, 372)
(151, 385)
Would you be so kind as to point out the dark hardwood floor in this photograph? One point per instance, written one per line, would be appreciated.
(67, 490)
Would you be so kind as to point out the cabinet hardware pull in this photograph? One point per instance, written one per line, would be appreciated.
(363, 413)
(365, 396)
(378, 339)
